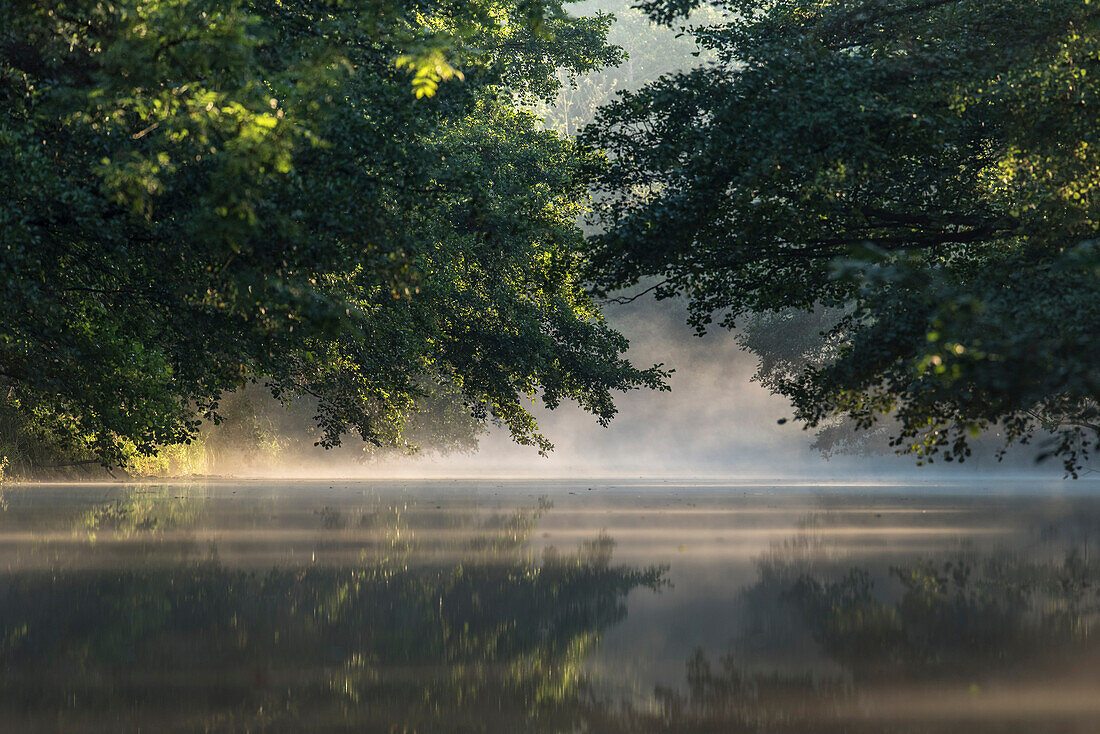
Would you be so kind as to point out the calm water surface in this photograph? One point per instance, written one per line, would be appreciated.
(548, 607)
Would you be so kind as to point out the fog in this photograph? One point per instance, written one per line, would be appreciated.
(715, 423)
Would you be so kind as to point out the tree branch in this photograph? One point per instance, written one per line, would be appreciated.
(622, 300)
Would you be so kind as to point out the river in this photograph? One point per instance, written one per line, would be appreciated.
(549, 606)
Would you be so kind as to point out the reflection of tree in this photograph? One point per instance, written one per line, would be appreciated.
(954, 618)
(491, 642)
(147, 509)
(955, 623)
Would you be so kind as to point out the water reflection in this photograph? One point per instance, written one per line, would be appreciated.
(961, 640)
(494, 642)
(431, 609)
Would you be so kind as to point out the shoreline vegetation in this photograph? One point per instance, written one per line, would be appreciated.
(254, 227)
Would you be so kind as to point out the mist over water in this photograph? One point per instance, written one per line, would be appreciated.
(545, 606)
(714, 423)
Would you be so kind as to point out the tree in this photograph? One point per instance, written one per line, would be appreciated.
(926, 168)
(196, 194)
(650, 50)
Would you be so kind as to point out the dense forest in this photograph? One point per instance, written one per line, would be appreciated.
(272, 225)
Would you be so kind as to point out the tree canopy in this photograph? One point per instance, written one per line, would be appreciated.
(925, 170)
(195, 195)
